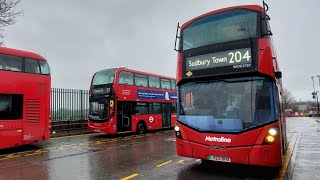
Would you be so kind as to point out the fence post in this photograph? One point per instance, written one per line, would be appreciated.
(81, 103)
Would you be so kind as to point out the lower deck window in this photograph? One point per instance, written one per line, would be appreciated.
(11, 106)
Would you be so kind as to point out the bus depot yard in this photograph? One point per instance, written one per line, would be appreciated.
(152, 156)
(221, 117)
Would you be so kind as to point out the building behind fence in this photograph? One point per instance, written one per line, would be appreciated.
(69, 109)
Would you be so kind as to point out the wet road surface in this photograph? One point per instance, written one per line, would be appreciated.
(150, 156)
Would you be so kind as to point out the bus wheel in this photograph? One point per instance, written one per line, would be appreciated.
(141, 128)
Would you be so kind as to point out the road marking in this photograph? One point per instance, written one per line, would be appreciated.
(37, 152)
(181, 162)
(101, 141)
(164, 163)
(12, 155)
(138, 137)
(287, 158)
(126, 138)
(129, 177)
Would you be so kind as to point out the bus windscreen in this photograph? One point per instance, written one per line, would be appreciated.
(227, 105)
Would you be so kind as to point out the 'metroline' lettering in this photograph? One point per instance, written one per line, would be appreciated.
(215, 139)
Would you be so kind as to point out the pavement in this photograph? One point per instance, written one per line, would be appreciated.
(307, 158)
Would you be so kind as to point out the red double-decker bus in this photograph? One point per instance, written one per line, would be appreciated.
(126, 100)
(229, 89)
(24, 98)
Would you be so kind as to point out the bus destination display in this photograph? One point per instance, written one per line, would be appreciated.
(238, 58)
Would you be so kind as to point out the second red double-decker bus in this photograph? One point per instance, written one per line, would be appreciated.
(229, 89)
(24, 98)
(126, 100)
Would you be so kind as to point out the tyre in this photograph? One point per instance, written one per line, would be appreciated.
(141, 128)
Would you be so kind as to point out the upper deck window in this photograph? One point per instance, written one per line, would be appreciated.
(32, 66)
(141, 80)
(222, 27)
(154, 82)
(126, 78)
(104, 77)
(165, 84)
(10, 63)
(44, 66)
(173, 85)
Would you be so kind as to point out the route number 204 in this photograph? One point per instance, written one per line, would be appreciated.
(238, 57)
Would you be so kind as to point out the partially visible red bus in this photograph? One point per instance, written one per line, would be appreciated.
(24, 98)
(126, 100)
(229, 89)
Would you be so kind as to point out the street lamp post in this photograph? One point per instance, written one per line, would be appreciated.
(315, 93)
(312, 77)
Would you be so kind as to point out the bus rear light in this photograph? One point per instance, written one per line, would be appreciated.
(50, 122)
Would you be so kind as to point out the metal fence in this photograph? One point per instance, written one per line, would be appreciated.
(69, 109)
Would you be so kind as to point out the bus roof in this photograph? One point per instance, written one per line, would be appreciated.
(251, 7)
(141, 72)
(16, 52)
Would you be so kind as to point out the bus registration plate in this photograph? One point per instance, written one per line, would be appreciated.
(96, 130)
(219, 158)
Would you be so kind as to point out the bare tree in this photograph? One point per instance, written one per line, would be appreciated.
(8, 14)
(287, 99)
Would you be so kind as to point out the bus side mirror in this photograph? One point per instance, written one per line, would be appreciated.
(278, 74)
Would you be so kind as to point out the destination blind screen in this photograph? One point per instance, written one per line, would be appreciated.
(237, 58)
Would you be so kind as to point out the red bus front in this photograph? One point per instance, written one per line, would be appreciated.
(228, 92)
(24, 98)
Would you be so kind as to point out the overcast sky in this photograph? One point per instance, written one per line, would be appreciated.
(80, 37)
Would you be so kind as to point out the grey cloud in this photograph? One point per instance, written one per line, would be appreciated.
(81, 37)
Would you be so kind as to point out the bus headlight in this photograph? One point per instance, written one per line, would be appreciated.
(272, 131)
(270, 139)
(178, 133)
(271, 136)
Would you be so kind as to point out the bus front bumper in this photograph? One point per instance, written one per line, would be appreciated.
(260, 155)
(105, 127)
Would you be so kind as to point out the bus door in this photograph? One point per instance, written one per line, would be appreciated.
(166, 115)
(124, 116)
